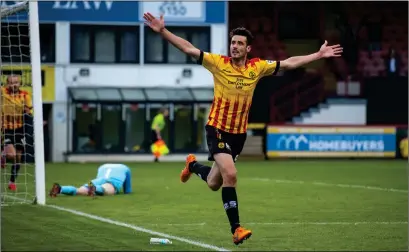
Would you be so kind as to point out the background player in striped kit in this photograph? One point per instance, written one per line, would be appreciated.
(16, 110)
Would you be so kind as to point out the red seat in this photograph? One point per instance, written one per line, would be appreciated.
(377, 54)
(256, 53)
(363, 54)
(379, 65)
(254, 25)
(364, 60)
(269, 56)
(266, 24)
(371, 70)
(281, 55)
(404, 57)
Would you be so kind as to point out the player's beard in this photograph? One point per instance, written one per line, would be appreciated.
(240, 58)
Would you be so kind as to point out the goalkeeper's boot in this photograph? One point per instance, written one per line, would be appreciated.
(241, 234)
(186, 173)
(91, 189)
(55, 190)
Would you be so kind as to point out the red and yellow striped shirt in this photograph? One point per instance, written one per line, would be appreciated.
(233, 89)
(13, 107)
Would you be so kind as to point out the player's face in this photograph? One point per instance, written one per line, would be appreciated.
(239, 47)
(13, 83)
(166, 113)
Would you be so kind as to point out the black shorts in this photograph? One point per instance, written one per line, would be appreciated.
(222, 142)
(154, 136)
(15, 137)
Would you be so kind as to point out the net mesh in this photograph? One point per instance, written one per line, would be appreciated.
(15, 60)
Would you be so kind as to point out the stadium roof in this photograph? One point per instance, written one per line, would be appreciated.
(157, 94)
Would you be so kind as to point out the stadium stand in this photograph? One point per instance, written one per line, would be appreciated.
(367, 30)
(391, 20)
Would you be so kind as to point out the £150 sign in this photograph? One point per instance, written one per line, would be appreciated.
(179, 11)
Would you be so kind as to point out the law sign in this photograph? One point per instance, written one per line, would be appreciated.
(116, 11)
(175, 11)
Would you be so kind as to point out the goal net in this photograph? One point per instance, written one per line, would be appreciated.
(22, 147)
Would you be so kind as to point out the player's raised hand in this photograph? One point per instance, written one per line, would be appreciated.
(155, 24)
(330, 51)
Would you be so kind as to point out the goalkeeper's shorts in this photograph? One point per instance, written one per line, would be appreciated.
(117, 184)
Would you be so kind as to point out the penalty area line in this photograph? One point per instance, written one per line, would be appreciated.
(122, 224)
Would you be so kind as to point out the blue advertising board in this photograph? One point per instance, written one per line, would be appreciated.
(98, 11)
(331, 141)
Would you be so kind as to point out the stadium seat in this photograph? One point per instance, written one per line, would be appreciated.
(271, 37)
(394, 31)
(266, 24)
(404, 56)
(254, 25)
(376, 54)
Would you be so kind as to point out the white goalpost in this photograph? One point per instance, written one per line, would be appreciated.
(20, 56)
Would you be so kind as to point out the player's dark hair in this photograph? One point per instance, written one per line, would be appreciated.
(241, 31)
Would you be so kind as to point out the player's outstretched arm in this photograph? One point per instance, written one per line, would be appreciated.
(158, 25)
(324, 52)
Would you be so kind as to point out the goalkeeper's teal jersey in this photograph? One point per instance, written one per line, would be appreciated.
(118, 175)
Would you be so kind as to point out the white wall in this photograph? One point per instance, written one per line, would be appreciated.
(120, 75)
(135, 76)
(338, 114)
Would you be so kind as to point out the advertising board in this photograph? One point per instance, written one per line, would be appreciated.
(110, 11)
(328, 141)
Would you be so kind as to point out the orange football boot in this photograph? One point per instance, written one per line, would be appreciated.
(240, 235)
(186, 173)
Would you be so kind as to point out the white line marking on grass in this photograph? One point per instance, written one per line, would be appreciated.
(328, 184)
(133, 227)
(176, 224)
(139, 229)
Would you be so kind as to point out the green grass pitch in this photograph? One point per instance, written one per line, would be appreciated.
(289, 205)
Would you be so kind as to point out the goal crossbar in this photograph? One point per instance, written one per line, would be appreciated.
(12, 9)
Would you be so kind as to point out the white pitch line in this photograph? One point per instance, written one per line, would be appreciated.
(133, 227)
(175, 224)
(336, 185)
(137, 228)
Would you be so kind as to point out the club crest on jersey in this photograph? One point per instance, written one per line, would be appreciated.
(252, 75)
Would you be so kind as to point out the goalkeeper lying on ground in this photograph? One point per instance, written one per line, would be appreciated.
(111, 178)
